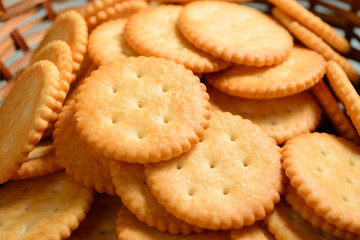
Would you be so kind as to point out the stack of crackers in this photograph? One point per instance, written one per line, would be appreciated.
(157, 120)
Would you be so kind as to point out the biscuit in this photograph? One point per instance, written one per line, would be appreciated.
(254, 232)
(235, 33)
(315, 43)
(217, 184)
(25, 113)
(303, 69)
(281, 118)
(326, 176)
(142, 110)
(154, 32)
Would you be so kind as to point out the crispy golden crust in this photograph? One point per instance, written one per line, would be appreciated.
(222, 30)
(313, 23)
(70, 27)
(337, 117)
(142, 110)
(303, 69)
(154, 32)
(79, 160)
(313, 42)
(281, 118)
(25, 114)
(221, 183)
(324, 170)
(130, 183)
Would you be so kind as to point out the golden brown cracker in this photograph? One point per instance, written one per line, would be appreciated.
(154, 32)
(235, 33)
(79, 160)
(47, 207)
(107, 42)
(254, 232)
(313, 23)
(129, 180)
(281, 118)
(143, 109)
(303, 69)
(315, 43)
(334, 113)
(25, 114)
(70, 27)
(217, 182)
(324, 170)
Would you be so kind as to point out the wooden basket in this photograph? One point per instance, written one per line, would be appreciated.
(24, 23)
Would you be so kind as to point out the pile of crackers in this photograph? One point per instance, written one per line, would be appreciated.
(198, 120)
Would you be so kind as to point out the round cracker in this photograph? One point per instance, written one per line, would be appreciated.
(218, 182)
(334, 113)
(142, 110)
(100, 220)
(315, 43)
(70, 27)
(303, 69)
(286, 224)
(313, 23)
(25, 113)
(154, 32)
(299, 206)
(326, 176)
(101, 11)
(79, 160)
(223, 30)
(47, 207)
(281, 118)
(107, 43)
(130, 183)
(128, 227)
(346, 92)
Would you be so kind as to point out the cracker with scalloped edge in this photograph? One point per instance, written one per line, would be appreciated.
(70, 27)
(129, 180)
(48, 207)
(221, 183)
(41, 161)
(281, 118)
(25, 114)
(234, 32)
(142, 109)
(79, 160)
(254, 232)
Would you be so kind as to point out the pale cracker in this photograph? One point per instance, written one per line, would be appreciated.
(303, 69)
(154, 32)
(217, 182)
(25, 114)
(235, 33)
(47, 207)
(142, 109)
(107, 42)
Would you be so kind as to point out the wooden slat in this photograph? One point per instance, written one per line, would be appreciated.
(13, 23)
(4, 91)
(17, 67)
(7, 49)
(19, 7)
